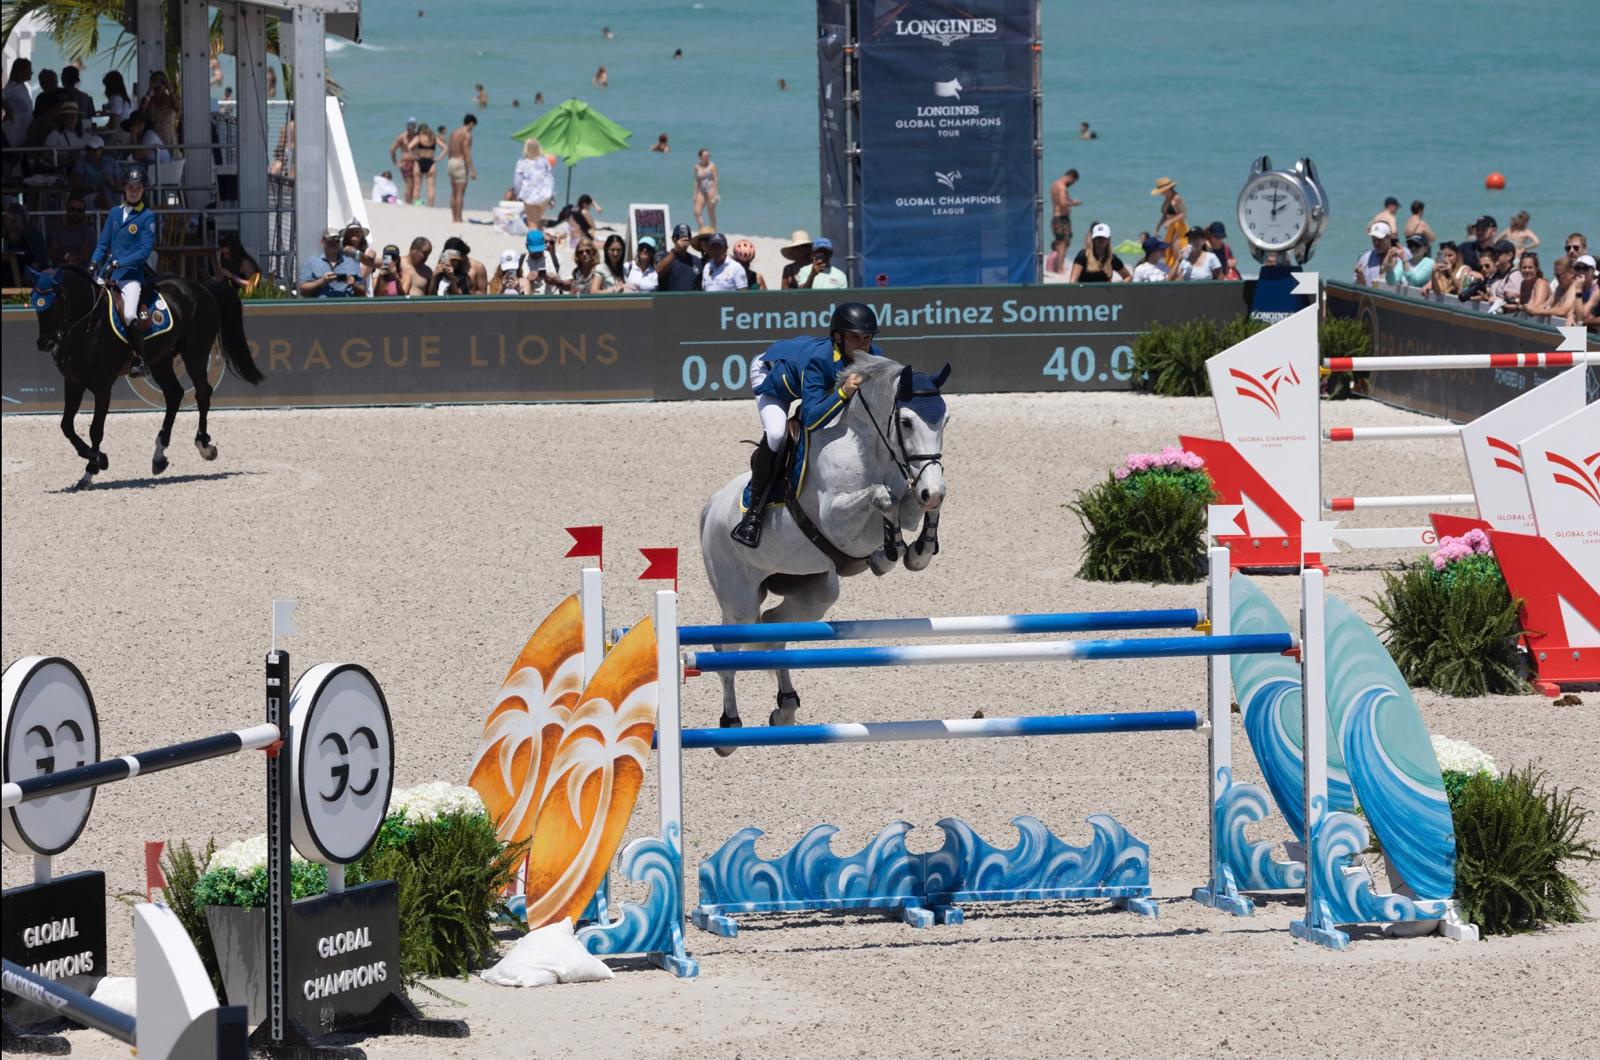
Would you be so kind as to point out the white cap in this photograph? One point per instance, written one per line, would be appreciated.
(508, 260)
(1380, 230)
(1584, 259)
(1100, 231)
(94, 141)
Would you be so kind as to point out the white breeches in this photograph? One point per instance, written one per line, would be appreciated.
(774, 412)
(130, 300)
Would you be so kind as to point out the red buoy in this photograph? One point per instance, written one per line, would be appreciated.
(1495, 182)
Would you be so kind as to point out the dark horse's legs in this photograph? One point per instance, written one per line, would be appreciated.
(98, 461)
(69, 412)
(167, 378)
(198, 361)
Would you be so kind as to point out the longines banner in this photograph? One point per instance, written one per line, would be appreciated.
(949, 176)
(665, 347)
(1404, 326)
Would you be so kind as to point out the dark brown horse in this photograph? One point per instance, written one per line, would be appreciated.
(75, 328)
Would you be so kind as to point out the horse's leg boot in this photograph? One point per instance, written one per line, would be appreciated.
(763, 468)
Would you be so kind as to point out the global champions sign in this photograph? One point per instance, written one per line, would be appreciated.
(947, 145)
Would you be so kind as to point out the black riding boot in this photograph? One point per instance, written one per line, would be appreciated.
(136, 340)
(763, 466)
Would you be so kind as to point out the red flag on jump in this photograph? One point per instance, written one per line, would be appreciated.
(154, 878)
(586, 541)
(663, 564)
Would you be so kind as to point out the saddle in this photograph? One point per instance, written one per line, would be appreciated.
(153, 315)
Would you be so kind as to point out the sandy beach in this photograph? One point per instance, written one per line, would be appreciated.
(426, 544)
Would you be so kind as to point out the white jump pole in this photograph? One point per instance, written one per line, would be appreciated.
(1376, 434)
(669, 740)
(1426, 500)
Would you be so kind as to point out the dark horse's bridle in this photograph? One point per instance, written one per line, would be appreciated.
(904, 396)
(57, 338)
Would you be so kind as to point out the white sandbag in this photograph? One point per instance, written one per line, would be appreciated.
(550, 954)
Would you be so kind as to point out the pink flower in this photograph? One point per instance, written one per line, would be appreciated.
(1122, 473)
(1193, 461)
(1438, 561)
(1477, 540)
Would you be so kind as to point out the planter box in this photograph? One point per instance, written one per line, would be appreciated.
(239, 936)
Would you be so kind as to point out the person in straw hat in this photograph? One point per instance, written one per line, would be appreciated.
(1173, 225)
(798, 251)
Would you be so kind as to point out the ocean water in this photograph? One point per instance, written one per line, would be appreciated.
(1419, 100)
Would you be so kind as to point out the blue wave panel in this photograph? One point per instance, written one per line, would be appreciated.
(1252, 864)
(1344, 889)
(654, 926)
(884, 875)
(1268, 690)
(1390, 756)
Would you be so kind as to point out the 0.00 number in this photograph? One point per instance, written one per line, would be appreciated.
(735, 373)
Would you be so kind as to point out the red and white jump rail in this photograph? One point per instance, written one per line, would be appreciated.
(1558, 359)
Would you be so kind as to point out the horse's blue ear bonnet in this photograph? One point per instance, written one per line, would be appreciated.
(44, 292)
(919, 392)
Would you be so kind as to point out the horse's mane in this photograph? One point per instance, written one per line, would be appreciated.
(880, 382)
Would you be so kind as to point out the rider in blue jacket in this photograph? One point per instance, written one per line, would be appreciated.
(807, 368)
(126, 242)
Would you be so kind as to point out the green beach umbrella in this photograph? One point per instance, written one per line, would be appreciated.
(575, 131)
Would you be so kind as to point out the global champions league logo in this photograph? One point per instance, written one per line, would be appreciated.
(944, 30)
(1265, 389)
(1587, 481)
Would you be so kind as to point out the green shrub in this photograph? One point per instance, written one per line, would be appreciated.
(1170, 359)
(1513, 835)
(1453, 628)
(1342, 337)
(451, 870)
(1146, 521)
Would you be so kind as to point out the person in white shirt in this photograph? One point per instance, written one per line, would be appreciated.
(721, 273)
(820, 274)
(1370, 265)
(1196, 262)
(19, 95)
(1150, 270)
(641, 274)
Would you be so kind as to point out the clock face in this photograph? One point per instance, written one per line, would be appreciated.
(1272, 212)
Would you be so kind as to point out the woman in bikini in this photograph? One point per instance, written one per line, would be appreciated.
(1173, 226)
(424, 146)
(706, 195)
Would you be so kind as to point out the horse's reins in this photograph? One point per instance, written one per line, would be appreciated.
(927, 459)
(94, 304)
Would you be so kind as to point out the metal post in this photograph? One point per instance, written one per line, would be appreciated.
(278, 894)
(1314, 737)
(852, 150)
(1038, 147)
(152, 44)
(310, 131)
(251, 78)
(592, 606)
(194, 37)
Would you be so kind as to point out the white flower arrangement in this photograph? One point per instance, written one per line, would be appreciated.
(421, 803)
(440, 798)
(1456, 756)
(244, 857)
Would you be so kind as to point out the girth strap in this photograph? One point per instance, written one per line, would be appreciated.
(843, 562)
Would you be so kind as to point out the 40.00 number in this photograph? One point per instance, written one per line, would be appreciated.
(1083, 366)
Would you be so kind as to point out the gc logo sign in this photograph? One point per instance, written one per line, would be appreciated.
(49, 725)
(342, 749)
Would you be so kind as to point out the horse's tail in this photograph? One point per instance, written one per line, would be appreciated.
(235, 347)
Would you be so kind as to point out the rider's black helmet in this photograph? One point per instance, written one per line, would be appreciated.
(133, 175)
(853, 316)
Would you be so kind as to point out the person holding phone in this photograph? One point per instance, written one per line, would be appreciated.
(537, 276)
(386, 279)
(331, 274)
(679, 268)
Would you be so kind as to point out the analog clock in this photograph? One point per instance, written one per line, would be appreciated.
(1282, 211)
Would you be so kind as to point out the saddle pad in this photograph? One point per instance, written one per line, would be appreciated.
(160, 319)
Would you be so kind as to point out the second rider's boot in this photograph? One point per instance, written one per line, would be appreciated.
(763, 467)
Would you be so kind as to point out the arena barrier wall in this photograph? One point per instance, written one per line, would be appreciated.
(1410, 326)
(660, 347)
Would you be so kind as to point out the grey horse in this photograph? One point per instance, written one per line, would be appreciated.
(877, 466)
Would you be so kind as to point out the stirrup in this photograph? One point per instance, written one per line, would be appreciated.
(748, 530)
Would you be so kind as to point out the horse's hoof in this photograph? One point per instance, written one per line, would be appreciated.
(207, 450)
(85, 482)
(781, 716)
(103, 460)
(158, 465)
(728, 723)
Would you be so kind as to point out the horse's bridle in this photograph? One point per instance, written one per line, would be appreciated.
(906, 459)
(60, 334)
